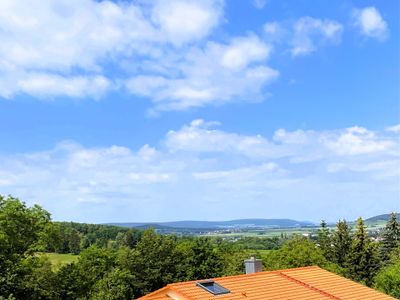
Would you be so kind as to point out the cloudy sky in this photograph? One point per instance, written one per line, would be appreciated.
(208, 110)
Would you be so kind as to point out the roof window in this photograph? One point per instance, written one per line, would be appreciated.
(212, 287)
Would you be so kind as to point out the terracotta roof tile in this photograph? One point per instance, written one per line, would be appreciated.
(307, 283)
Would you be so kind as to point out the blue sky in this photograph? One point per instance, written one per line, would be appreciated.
(171, 110)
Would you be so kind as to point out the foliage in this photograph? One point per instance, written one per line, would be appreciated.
(154, 261)
(391, 237)
(341, 244)
(20, 226)
(21, 229)
(39, 280)
(297, 252)
(388, 280)
(75, 237)
(324, 240)
(115, 285)
(363, 259)
(260, 243)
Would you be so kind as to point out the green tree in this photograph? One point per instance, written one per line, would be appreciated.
(74, 241)
(202, 260)
(341, 244)
(391, 237)
(154, 262)
(69, 282)
(21, 229)
(297, 252)
(21, 226)
(49, 238)
(115, 285)
(232, 257)
(388, 280)
(129, 238)
(84, 243)
(324, 240)
(39, 281)
(93, 264)
(364, 257)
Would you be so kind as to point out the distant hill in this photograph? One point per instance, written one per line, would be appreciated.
(384, 217)
(241, 223)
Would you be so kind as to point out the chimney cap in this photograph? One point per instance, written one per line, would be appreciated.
(252, 259)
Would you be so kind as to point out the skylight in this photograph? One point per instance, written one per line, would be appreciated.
(212, 287)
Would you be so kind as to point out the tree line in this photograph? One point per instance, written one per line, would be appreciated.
(119, 263)
(71, 237)
(362, 259)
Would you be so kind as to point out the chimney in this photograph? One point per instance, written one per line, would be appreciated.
(253, 265)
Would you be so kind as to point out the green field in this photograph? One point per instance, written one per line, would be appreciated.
(264, 233)
(58, 260)
(277, 232)
(257, 253)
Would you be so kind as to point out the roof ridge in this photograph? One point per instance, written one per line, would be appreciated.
(309, 286)
(242, 275)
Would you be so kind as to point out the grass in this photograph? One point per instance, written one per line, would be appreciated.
(273, 232)
(57, 260)
(265, 233)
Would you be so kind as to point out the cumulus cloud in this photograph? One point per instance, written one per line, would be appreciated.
(303, 36)
(201, 165)
(60, 35)
(163, 51)
(51, 85)
(215, 74)
(54, 48)
(159, 50)
(358, 140)
(395, 128)
(185, 21)
(370, 23)
(310, 33)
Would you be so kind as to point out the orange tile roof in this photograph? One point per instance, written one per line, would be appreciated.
(307, 283)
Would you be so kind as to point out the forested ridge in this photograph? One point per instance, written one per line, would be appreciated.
(122, 263)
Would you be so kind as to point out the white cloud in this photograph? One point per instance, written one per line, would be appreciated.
(198, 165)
(358, 140)
(310, 33)
(242, 51)
(164, 51)
(159, 50)
(60, 35)
(370, 23)
(216, 74)
(273, 29)
(182, 21)
(259, 4)
(49, 46)
(198, 138)
(395, 128)
(304, 35)
(49, 85)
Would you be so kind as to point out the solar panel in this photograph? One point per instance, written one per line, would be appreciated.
(212, 287)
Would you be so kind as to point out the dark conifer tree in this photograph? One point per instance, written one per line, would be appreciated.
(364, 257)
(341, 243)
(325, 240)
(391, 237)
